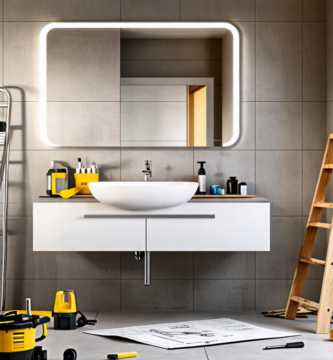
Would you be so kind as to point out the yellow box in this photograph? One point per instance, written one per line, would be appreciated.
(83, 180)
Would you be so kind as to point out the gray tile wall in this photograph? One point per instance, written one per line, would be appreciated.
(283, 94)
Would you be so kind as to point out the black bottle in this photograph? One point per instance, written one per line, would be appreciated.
(232, 183)
(201, 179)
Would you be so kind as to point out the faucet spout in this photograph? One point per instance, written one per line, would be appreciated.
(148, 170)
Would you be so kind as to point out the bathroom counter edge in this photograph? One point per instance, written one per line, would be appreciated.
(46, 199)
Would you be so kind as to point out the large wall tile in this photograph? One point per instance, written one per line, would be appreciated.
(171, 49)
(279, 10)
(329, 50)
(27, 171)
(99, 295)
(88, 265)
(85, 124)
(221, 265)
(217, 295)
(53, 10)
(279, 125)
(247, 60)
(160, 295)
(314, 10)
(150, 10)
(279, 61)
(21, 59)
(314, 61)
(164, 266)
(42, 293)
(168, 165)
(95, 56)
(314, 125)
(217, 10)
(25, 133)
(286, 240)
(312, 161)
(1, 54)
(279, 179)
(23, 262)
(274, 294)
(172, 68)
(221, 164)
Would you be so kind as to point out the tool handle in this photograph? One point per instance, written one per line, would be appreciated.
(299, 344)
(44, 334)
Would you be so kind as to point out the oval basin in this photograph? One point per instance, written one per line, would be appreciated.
(143, 195)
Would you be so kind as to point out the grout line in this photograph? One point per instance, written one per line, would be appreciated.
(180, 10)
(302, 169)
(206, 353)
(255, 139)
(175, 279)
(120, 282)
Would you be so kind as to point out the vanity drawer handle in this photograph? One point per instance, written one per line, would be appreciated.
(190, 216)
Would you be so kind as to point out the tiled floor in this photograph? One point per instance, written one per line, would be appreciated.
(95, 347)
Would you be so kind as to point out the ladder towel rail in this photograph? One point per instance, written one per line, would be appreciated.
(4, 168)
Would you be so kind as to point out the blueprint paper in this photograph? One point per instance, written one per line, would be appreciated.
(193, 333)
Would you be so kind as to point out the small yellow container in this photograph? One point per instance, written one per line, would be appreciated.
(83, 180)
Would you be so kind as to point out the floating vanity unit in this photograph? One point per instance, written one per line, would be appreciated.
(120, 224)
(198, 225)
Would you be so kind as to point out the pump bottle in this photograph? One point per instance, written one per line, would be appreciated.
(202, 179)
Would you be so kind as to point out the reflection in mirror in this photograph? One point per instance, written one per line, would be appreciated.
(119, 85)
(166, 111)
(196, 115)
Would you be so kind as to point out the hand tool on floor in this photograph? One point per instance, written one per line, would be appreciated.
(18, 334)
(64, 312)
(122, 356)
(293, 345)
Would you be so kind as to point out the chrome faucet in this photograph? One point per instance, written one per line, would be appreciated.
(148, 170)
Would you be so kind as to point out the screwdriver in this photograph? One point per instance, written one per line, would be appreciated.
(292, 345)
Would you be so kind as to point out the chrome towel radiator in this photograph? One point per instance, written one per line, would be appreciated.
(4, 143)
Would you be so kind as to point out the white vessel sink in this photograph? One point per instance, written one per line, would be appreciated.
(143, 195)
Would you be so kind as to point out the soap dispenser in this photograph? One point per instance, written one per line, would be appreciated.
(202, 179)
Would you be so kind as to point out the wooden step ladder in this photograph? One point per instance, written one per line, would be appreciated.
(325, 305)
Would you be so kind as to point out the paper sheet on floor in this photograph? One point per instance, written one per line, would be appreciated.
(193, 333)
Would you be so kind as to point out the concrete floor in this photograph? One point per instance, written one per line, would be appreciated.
(96, 347)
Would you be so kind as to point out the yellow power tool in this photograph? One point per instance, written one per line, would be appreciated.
(18, 334)
(64, 312)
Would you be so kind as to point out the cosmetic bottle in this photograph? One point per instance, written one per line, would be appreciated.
(232, 183)
(80, 166)
(202, 179)
(242, 188)
(94, 169)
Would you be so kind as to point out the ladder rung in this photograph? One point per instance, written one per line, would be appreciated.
(312, 261)
(321, 225)
(302, 301)
(3, 105)
(323, 205)
(328, 166)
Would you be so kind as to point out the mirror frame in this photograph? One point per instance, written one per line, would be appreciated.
(139, 25)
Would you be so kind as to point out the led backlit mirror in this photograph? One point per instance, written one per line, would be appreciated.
(139, 84)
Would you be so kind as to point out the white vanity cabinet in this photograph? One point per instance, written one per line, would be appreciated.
(198, 225)
(61, 226)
